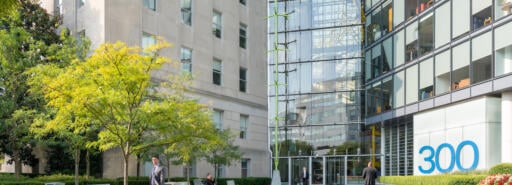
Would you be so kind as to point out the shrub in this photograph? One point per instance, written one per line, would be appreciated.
(501, 169)
(433, 179)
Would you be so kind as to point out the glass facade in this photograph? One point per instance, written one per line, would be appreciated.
(320, 105)
(435, 49)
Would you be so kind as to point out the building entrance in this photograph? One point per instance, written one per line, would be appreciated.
(326, 170)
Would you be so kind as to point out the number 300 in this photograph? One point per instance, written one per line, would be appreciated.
(433, 158)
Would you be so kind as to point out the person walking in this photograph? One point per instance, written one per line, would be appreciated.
(304, 176)
(158, 173)
(209, 180)
(369, 174)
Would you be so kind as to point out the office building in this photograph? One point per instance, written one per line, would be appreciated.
(438, 84)
(222, 43)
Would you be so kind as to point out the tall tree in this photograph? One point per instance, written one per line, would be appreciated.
(7, 7)
(28, 38)
(113, 90)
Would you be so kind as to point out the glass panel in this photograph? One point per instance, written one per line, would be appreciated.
(368, 4)
(503, 8)
(387, 17)
(243, 80)
(376, 61)
(481, 58)
(460, 17)
(411, 8)
(377, 27)
(369, 30)
(411, 38)
(335, 170)
(186, 12)
(398, 8)
(217, 24)
(186, 60)
(399, 48)
(482, 13)
(442, 70)
(217, 72)
(411, 94)
(368, 65)
(399, 89)
(388, 55)
(426, 79)
(387, 93)
(426, 34)
(503, 47)
(460, 63)
(373, 100)
(442, 24)
(317, 171)
(243, 35)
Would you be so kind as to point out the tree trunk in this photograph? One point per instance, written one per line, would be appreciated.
(138, 165)
(188, 173)
(125, 170)
(215, 172)
(87, 165)
(17, 164)
(169, 168)
(77, 164)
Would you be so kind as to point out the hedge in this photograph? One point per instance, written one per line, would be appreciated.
(433, 179)
(502, 168)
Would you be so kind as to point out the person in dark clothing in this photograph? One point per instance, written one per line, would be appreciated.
(304, 176)
(209, 180)
(369, 174)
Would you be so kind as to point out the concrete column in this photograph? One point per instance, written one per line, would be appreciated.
(506, 127)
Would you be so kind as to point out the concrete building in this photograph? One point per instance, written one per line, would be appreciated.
(222, 43)
(438, 84)
(319, 103)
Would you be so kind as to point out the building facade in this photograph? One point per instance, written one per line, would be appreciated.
(438, 84)
(319, 101)
(221, 43)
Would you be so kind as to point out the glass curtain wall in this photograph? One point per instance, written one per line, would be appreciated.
(320, 103)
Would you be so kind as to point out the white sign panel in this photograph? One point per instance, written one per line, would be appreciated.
(459, 137)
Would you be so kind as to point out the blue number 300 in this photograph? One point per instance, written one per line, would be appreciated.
(433, 157)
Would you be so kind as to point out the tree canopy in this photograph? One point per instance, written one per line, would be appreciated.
(113, 90)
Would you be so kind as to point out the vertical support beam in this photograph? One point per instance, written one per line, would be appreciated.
(506, 127)
(289, 171)
(382, 150)
(310, 164)
(324, 174)
(346, 181)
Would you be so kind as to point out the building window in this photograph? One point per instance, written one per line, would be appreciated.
(502, 8)
(243, 80)
(411, 38)
(244, 121)
(481, 58)
(399, 89)
(460, 19)
(460, 66)
(245, 167)
(442, 69)
(399, 48)
(481, 13)
(221, 171)
(217, 24)
(217, 72)
(243, 36)
(147, 40)
(426, 34)
(387, 51)
(217, 118)
(244, 2)
(189, 170)
(426, 79)
(442, 25)
(387, 93)
(503, 49)
(376, 61)
(186, 12)
(398, 12)
(411, 84)
(186, 60)
(150, 4)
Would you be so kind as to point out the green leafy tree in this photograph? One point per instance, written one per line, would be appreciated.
(224, 153)
(28, 38)
(8, 7)
(113, 90)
